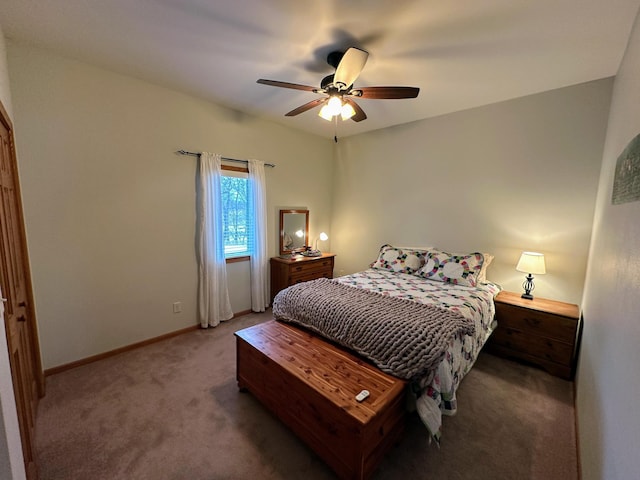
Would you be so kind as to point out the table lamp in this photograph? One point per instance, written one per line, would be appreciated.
(324, 237)
(529, 263)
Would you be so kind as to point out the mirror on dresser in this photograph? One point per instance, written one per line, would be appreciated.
(294, 231)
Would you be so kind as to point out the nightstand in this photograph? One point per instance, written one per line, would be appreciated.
(289, 271)
(541, 332)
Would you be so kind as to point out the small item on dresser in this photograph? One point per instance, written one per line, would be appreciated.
(362, 395)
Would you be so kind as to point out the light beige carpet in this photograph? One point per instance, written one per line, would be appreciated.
(172, 410)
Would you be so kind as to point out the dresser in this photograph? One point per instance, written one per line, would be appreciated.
(541, 332)
(289, 271)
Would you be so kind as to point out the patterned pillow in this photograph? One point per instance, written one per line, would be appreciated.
(397, 259)
(452, 268)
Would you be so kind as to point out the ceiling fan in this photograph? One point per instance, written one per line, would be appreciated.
(337, 89)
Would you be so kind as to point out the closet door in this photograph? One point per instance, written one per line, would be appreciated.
(15, 281)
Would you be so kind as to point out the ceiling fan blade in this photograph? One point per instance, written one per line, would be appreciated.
(295, 86)
(349, 68)
(307, 106)
(385, 92)
(360, 115)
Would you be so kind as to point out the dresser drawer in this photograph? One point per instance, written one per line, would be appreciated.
(536, 322)
(312, 266)
(534, 345)
(310, 275)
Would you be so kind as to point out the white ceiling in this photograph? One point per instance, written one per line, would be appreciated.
(462, 53)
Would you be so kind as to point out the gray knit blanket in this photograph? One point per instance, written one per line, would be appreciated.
(402, 337)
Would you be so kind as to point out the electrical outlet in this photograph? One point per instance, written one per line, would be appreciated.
(177, 307)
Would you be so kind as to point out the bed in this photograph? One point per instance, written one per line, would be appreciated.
(447, 291)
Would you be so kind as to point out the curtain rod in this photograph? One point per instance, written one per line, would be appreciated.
(195, 154)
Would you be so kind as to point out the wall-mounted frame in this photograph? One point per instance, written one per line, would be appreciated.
(626, 181)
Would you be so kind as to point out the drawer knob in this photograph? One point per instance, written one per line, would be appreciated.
(534, 322)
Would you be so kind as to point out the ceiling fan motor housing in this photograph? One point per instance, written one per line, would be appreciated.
(327, 81)
(334, 58)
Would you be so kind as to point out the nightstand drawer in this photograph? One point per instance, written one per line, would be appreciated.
(557, 369)
(533, 321)
(534, 345)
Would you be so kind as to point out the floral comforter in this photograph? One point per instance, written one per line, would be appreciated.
(436, 392)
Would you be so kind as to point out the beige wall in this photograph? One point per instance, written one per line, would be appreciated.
(11, 460)
(608, 381)
(110, 207)
(512, 176)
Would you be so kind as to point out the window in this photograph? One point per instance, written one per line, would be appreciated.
(237, 225)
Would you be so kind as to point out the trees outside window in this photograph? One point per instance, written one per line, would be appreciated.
(237, 225)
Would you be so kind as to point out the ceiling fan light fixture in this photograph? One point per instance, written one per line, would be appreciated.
(335, 105)
(347, 111)
(332, 108)
(325, 113)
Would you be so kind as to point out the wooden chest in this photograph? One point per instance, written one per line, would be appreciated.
(540, 331)
(311, 385)
(289, 271)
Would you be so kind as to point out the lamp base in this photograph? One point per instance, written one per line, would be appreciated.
(528, 287)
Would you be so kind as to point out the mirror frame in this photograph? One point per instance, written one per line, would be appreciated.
(284, 251)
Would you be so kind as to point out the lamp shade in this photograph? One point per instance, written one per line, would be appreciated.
(531, 262)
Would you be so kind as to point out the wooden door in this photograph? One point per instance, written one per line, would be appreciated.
(15, 281)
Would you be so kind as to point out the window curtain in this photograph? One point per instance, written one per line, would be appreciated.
(213, 295)
(258, 212)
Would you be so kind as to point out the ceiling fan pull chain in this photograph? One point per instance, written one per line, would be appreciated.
(335, 129)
